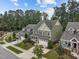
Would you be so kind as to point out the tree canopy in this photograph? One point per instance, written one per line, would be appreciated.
(15, 20)
(67, 12)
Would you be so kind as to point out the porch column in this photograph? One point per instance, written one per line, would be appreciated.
(77, 47)
(42, 33)
(71, 46)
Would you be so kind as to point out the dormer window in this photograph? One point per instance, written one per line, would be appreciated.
(71, 30)
(48, 33)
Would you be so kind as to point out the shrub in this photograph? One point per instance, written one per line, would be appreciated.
(38, 51)
(50, 44)
(33, 58)
(60, 50)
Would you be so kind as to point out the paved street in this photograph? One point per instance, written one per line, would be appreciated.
(27, 54)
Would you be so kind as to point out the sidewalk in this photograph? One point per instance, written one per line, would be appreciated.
(27, 54)
(75, 55)
(12, 44)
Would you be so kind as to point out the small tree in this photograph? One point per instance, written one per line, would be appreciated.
(38, 51)
(60, 51)
(9, 39)
(50, 44)
(14, 35)
(33, 58)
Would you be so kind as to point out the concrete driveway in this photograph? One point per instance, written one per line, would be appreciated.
(27, 55)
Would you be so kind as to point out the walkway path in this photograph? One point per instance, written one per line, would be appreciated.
(12, 44)
(27, 54)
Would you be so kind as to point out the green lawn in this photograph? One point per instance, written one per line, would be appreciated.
(25, 46)
(2, 42)
(67, 57)
(14, 50)
(53, 54)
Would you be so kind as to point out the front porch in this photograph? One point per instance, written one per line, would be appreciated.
(73, 46)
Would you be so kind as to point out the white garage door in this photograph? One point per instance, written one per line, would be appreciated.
(44, 43)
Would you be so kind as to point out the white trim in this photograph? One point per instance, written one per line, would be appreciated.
(44, 27)
(73, 39)
(57, 23)
(77, 29)
(71, 28)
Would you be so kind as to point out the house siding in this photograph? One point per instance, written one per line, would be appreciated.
(56, 32)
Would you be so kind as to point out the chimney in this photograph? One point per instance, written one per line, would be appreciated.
(42, 17)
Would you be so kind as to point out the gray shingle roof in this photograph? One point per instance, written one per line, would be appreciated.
(30, 26)
(4, 54)
(68, 36)
(22, 33)
(74, 25)
(49, 23)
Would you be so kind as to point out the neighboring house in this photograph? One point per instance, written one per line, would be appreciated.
(5, 54)
(20, 35)
(70, 37)
(43, 31)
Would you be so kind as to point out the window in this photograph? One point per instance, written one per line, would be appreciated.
(48, 33)
(40, 32)
(71, 30)
(36, 37)
(69, 44)
(31, 30)
(74, 40)
(65, 42)
(74, 45)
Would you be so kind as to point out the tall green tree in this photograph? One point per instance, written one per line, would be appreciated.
(61, 13)
(16, 20)
(72, 8)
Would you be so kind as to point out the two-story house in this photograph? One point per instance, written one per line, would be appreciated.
(43, 31)
(70, 37)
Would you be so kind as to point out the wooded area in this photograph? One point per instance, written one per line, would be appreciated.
(67, 12)
(15, 20)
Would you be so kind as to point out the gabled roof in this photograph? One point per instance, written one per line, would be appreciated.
(4, 54)
(49, 23)
(74, 25)
(68, 36)
(30, 26)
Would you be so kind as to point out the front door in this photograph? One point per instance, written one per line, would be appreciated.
(74, 47)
